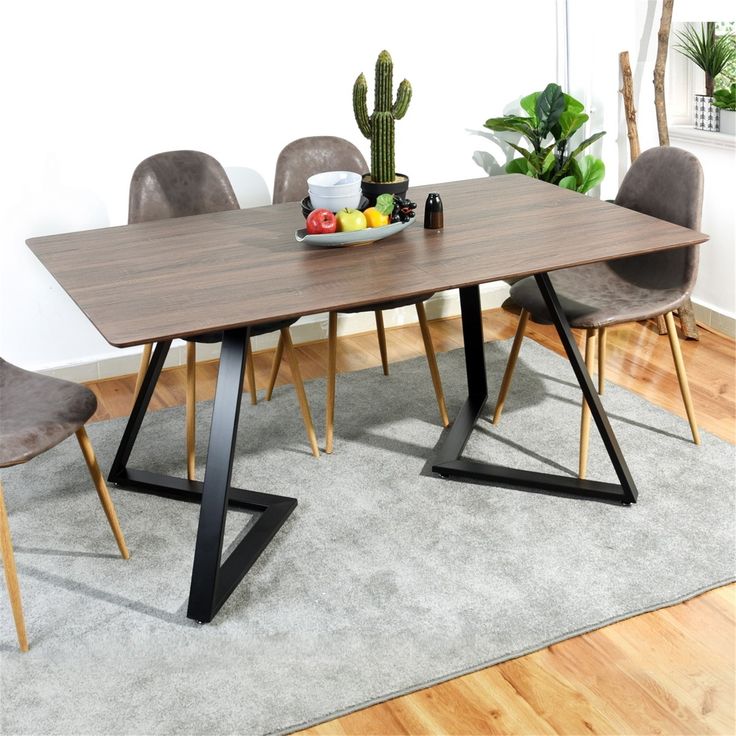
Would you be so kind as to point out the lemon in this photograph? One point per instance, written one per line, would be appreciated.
(375, 218)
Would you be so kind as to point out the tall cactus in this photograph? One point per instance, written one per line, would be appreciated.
(379, 127)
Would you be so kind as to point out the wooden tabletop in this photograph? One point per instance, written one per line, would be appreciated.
(171, 278)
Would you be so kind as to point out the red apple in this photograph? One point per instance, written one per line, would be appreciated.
(320, 222)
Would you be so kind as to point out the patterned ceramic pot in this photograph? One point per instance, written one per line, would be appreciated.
(707, 116)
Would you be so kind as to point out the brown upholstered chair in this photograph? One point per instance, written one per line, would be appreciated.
(299, 160)
(182, 183)
(666, 183)
(36, 414)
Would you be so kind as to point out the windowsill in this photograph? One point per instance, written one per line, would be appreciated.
(689, 134)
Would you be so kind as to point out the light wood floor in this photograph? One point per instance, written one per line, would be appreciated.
(666, 672)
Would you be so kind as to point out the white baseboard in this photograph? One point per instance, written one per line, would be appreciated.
(718, 321)
(307, 329)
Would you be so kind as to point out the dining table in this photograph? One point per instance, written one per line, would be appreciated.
(225, 272)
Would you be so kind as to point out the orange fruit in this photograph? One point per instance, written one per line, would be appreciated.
(374, 218)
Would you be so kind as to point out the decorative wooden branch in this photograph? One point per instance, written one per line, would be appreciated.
(630, 110)
(663, 38)
(686, 314)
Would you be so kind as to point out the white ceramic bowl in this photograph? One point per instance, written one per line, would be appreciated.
(335, 203)
(332, 183)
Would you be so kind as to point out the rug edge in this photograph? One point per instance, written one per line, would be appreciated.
(504, 658)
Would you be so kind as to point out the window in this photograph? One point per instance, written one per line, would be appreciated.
(685, 79)
(728, 76)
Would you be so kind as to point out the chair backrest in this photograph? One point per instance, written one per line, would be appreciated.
(306, 156)
(178, 184)
(666, 183)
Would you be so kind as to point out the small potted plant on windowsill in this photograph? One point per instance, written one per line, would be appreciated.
(725, 101)
(379, 128)
(711, 54)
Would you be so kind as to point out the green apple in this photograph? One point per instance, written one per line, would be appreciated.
(349, 220)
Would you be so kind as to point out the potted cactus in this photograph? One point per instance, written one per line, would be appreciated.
(379, 128)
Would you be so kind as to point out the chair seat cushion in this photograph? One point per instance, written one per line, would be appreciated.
(37, 412)
(596, 296)
(384, 306)
(255, 330)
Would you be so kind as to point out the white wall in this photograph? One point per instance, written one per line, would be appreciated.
(92, 88)
(599, 30)
(716, 284)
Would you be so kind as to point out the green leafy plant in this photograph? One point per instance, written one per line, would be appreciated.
(553, 119)
(379, 126)
(725, 98)
(706, 50)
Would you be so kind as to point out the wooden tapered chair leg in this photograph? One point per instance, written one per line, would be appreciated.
(250, 371)
(296, 375)
(510, 365)
(145, 360)
(191, 409)
(11, 575)
(682, 376)
(601, 360)
(590, 338)
(275, 367)
(101, 488)
(331, 371)
(432, 361)
(381, 332)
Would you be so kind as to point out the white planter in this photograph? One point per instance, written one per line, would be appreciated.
(728, 122)
(707, 116)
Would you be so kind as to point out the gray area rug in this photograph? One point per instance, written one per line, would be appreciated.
(384, 580)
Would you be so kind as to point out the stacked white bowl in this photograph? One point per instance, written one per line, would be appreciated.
(334, 190)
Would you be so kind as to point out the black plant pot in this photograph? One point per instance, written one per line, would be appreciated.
(371, 189)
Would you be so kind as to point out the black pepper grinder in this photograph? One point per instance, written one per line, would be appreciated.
(433, 215)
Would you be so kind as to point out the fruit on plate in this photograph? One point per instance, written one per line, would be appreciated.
(403, 210)
(349, 220)
(375, 218)
(320, 222)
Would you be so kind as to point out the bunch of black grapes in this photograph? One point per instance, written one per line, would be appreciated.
(403, 209)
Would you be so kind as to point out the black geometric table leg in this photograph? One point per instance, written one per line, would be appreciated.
(475, 369)
(449, 463)
(586, 384)
(140, 406)
(212, 581)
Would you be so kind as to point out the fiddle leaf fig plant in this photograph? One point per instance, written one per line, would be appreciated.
(552, 120)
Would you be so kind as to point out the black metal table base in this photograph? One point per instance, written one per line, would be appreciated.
(449, 463)
(212, 580)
